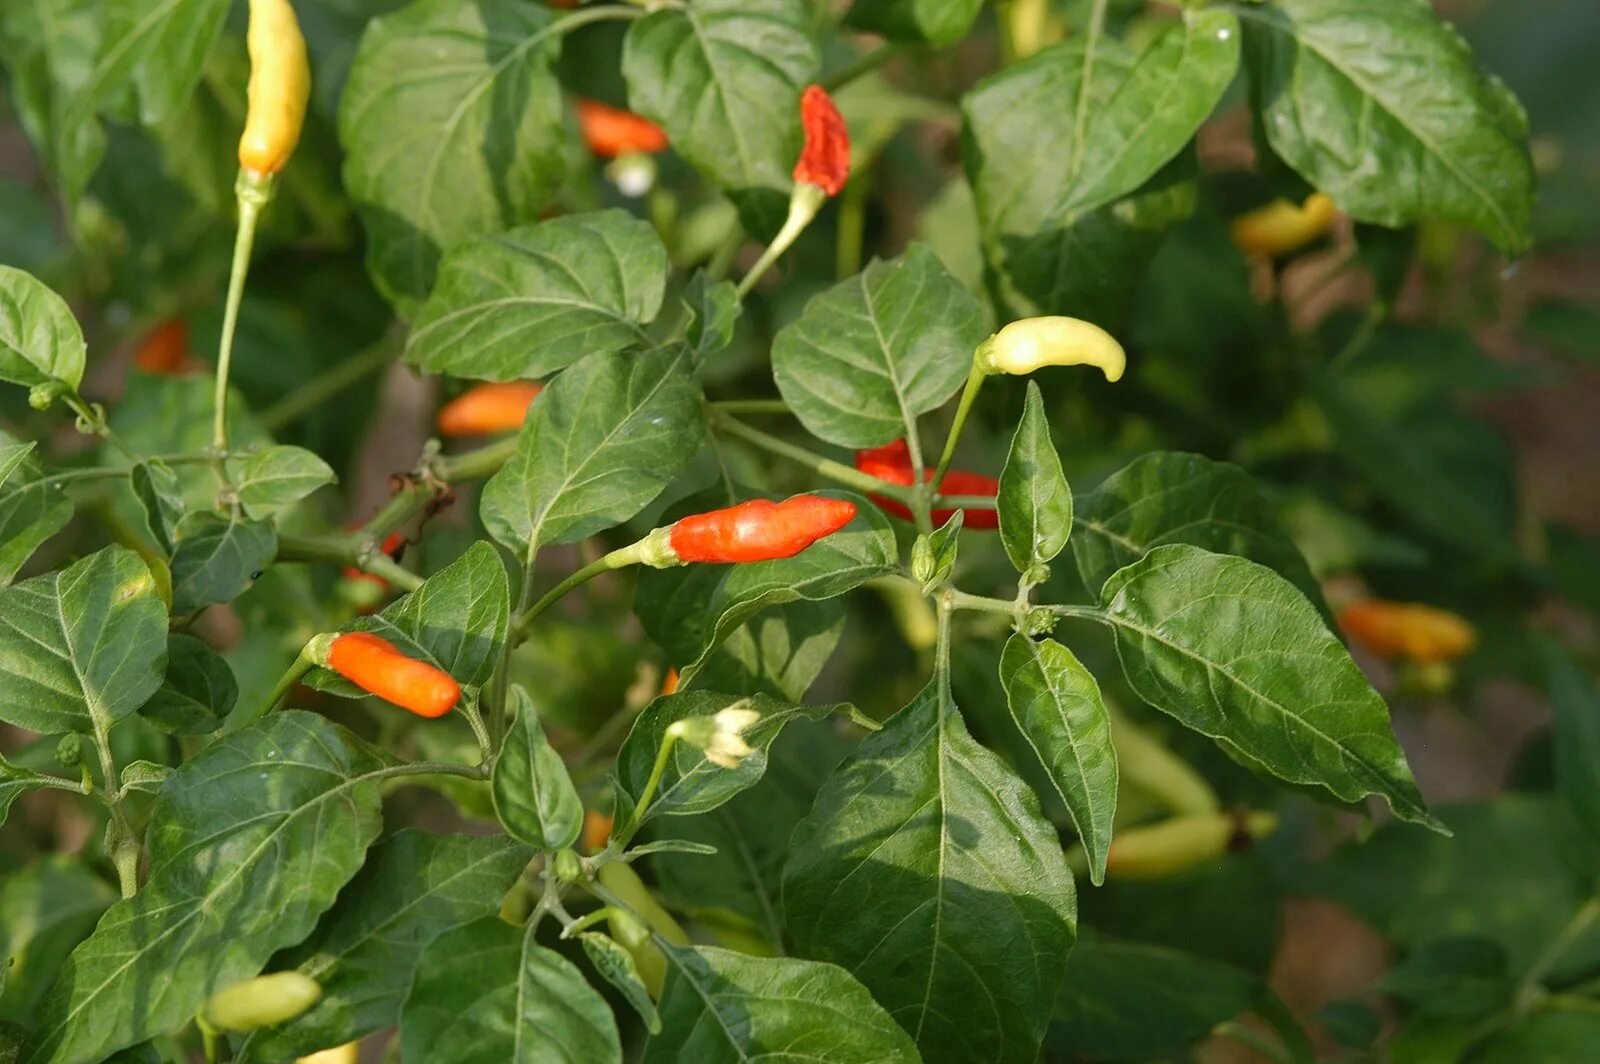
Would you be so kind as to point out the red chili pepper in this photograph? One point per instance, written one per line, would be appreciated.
(165, 349)
(825, 159)
(892, 462)
(759, 530)
(376, 666)
(611, 131)
(488, 409)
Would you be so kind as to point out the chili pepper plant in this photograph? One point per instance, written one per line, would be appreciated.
(717, 530)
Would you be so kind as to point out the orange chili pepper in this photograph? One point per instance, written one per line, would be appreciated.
(164, 349)
(488, 409)
(759, 530)
(825, 159)
(596, 830)
(1407, 631)
(892, 462)
(376, 666)
(611, 131)
(670, 684)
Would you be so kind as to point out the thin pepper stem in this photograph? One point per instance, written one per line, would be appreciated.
(804, 203)
(969, 395)
(319, 389)
(253, 192)
(751, 406)
(313, 653)
(849, 476)
(668, 740)
(588, 920)
(621, 558)
(124, 847)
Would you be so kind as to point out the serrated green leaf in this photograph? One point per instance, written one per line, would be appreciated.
(1055, 143)
(533, 795)
(719, 1006)
(927, 870)
(413, 887)
(682, 64)
(1034, 501)
(199, 689)
(40, 340)
(601, 442)
(530, 301)
(215, 559)
(279, 476)
(691, 783)
(451, 126)
(1232, 650)
(1381, 105)
(691, 610)
(1058, 709)
(1171, 497)
(486, 991)
(615, 965)
(871, 354)
(83, 647)
(249, 843)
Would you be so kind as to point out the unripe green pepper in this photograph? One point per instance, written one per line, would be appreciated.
(1172, 846)
(265, 1001)
(633, 932)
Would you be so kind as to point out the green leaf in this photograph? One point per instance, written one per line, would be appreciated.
(1122, 1001)
(1171, 497)
(936, 22)
(719, 1006)
(215, 559)
(199, 689)
(872, 353)
(933, 557)
(1575, 739)
(83, 647)
(146, 777)
(1232, 650)
(927, 870)
(779, 652)
(598, 446)
(1034, 501)
(12, 455)
(713, 308)
(723, 77)
(1381, 105)
(1460, 977)
(40, 341)
(530, 301)
(451, 126)
(615, 965)
(533, 795)
(31, 510)
(249, 843)
(278, 477)
(1054, 142)
(15, 781)
(1554, 1037)
(160, 495)
(413, 887)
(486, 991)
(691, 610)
(691, 783)
(1057, 707)
(46, 909)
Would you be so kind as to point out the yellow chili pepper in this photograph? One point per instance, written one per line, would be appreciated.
(1408, 631)
(1026, 345)
(1281, 227)
(348, 1053)
(280, 85)
(265, 1001)
(1174, 845)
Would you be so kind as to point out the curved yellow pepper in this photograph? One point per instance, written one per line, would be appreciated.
(348, 1053)
(1026, 345)
(1174, 845)
(1281, 227)
(265, 1001)
(280, 85)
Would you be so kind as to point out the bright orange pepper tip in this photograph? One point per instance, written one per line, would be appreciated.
(378, 667)
(596, 830)
(669, 685)
(164, 350)
(825, 158)
(611, 131)
(759, 530)
(488, 409)
(1408, 631)
(892, 462)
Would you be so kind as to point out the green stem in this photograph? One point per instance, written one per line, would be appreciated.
(327, 384)
(1529, 990)
(960, 600)
(969, 395)
(852, 225)
(804, 203)
(865, 64)
(751, 406)
(475, 722)
(1359, 339)
(313, 653)
(668, 739)
(343, 549)
(849, 476)
(124, 847)
(430, 768)
(253, 193)
(1253, 1040)
(621, 558)
(588, 920)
